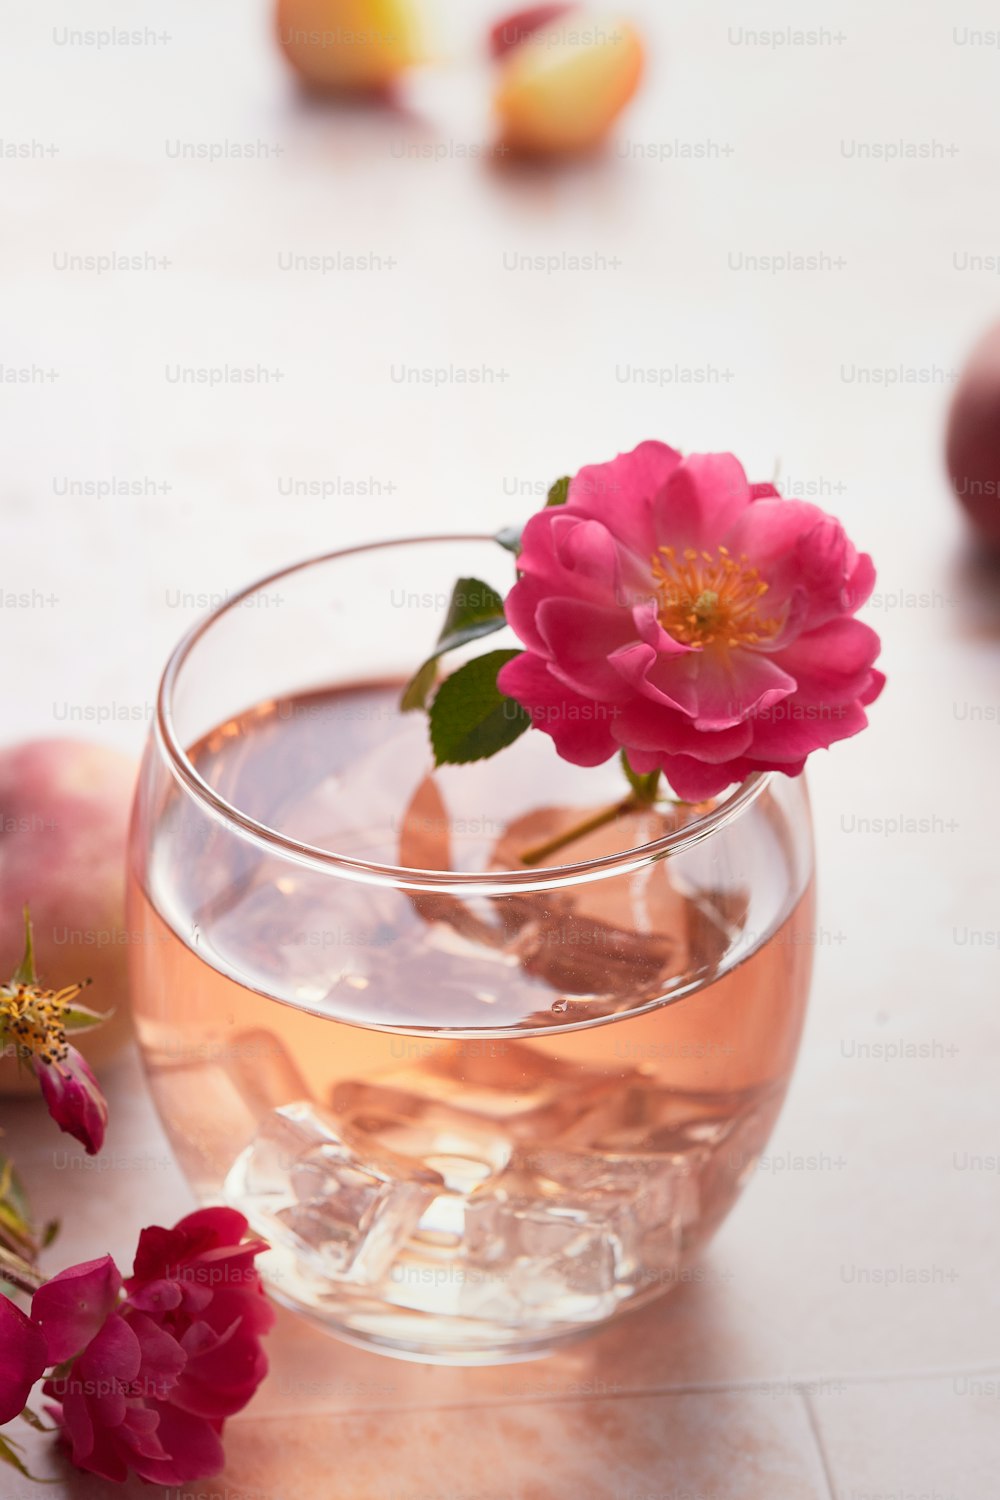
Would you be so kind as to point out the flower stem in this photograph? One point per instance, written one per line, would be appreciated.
(643, 794)
(18, 1272)
(541, 852)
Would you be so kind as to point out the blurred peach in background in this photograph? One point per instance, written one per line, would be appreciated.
(563, 85)
(349, 44)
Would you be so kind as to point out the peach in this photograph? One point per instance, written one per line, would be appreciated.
(561, 88)
(973, 443)
(516, 28)
(64, 810)
(349, 44)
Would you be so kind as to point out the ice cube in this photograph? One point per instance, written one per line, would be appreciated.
(493, 1217)
(463, 1149)
(650, 1117)
(296, 938)
(263, 1070)
(621, 938)
(346, 1205)
(580, 1231)
(426, 841)
(539, 1256)
(646, 1200)
(568, 1263)
(348, 811)
(510, 1087)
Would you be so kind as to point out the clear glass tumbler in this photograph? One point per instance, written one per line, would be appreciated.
(475, 1105)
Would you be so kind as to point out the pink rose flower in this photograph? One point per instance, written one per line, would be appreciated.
(199, 1281)
(698, 622)
(107, 1399)
(74, 1097)
(154, 1374)
(22, 1359)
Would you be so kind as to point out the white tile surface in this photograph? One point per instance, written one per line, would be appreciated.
(789, 1292)
(937, 1439)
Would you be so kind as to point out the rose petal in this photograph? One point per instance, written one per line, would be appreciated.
(71, 1308)
(621, 493)
(23, 1357)
(648, 729)
(705, 497)
(695, 781)
(220, 1226)
(579, 636)
(193, 1444)
(163, 1358)
(580, 727)
(157, 1296)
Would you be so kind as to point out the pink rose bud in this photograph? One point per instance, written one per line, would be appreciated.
(74, 1098)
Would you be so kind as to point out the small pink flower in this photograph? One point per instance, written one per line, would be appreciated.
(74, 1097)
(700, 623)
(155, 1372)
(23, 1357)
(199, 1281)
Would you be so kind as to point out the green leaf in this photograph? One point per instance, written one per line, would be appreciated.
(82, 1018)
(644, 787)
(470, 718)
(25, 972)
(559, 493)
(419, 687)
(474, 610)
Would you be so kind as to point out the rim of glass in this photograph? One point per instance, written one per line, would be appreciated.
(400, 876)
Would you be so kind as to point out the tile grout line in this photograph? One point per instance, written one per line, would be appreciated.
(817, 1437)
(790, 1385)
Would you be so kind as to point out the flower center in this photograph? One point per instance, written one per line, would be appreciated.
(710, 598)
(33, 1020)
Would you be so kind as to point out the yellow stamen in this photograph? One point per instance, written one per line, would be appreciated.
(34, 1020)
(710, 598)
